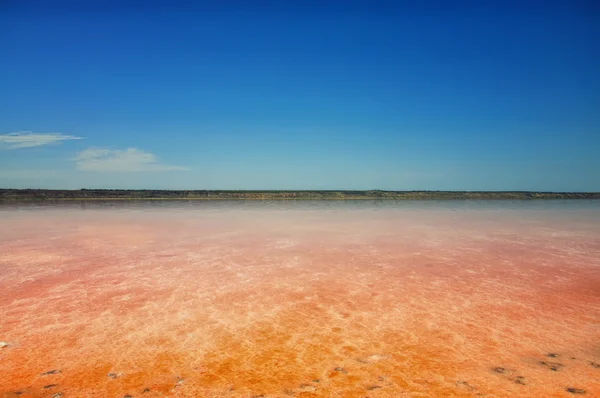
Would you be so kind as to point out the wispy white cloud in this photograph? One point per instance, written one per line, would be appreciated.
(27, 174)
(27, 139)
(114, 160)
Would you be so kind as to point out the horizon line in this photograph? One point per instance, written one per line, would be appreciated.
(299, 190)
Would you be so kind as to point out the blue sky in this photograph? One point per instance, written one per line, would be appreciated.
(347, 95)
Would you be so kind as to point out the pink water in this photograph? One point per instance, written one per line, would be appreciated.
(310, 299)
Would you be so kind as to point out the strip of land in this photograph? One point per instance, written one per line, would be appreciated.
(151, 194)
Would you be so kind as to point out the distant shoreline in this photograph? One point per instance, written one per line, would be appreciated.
(134, 194)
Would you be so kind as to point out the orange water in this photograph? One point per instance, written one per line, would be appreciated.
(290, 300)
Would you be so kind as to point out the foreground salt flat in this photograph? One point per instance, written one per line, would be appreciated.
(300, 299)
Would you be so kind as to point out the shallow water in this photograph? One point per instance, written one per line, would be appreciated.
(300, 299)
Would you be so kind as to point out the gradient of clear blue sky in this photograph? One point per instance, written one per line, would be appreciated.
(277, 95)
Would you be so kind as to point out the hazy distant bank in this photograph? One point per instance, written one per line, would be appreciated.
(132, 194)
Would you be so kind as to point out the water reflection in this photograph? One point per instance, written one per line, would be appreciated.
(293, 204)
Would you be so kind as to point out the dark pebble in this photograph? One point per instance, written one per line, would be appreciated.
(373, 388)
(146, 390)
(576, 390)
(113, 375)
(499, 370)
(57, 395)
(555, 366)
(341, 370)
(317, 380)
(520, 380)
(51, 372)
(466, 385)
(128, 396)
(553, 355)
(596, 365)
(50, 386)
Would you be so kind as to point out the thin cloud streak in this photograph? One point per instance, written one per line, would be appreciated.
(115, 160)
(27, 174)
(27, 139)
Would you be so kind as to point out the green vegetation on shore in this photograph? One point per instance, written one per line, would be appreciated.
(125, 194)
